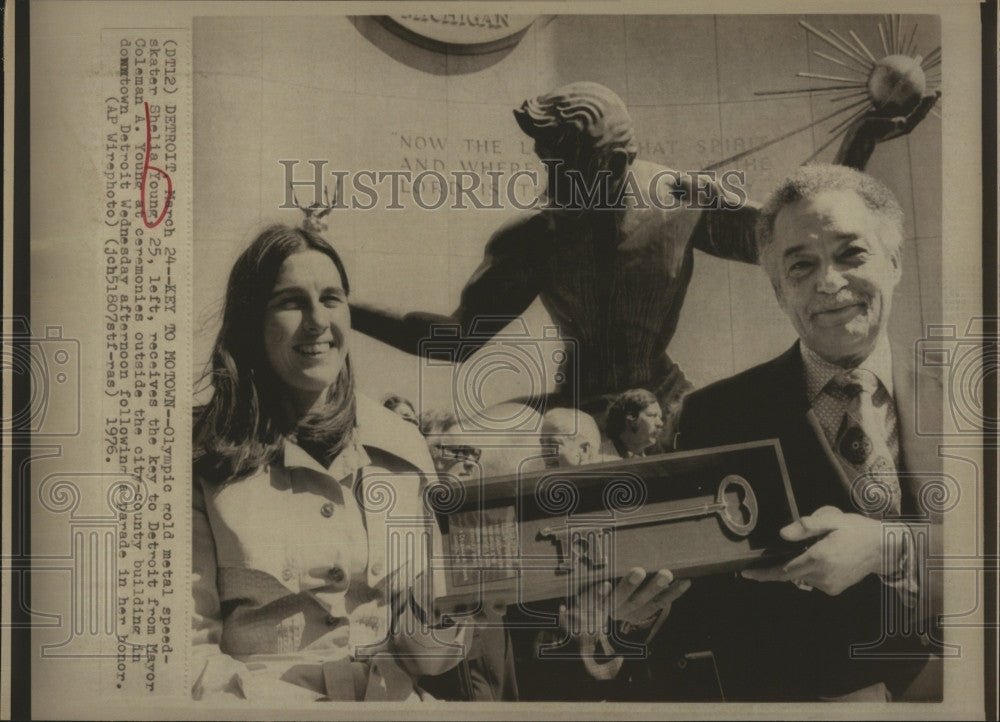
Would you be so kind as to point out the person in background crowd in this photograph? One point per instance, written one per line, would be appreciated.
(435, 421)
(571, 437)
(432, 425)
(634, 422)
(401, 406)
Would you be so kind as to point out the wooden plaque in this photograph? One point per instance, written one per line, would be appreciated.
(530, 536)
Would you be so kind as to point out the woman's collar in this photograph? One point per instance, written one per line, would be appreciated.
(385, 430)
(377, 428)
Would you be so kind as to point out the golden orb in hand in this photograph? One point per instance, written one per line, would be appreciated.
(897, 83)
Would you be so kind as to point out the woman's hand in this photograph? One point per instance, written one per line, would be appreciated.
(422, 645)
(636, 601)
(586, 617)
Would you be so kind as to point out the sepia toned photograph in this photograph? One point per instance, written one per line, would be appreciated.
(490, 364)
(514, 324)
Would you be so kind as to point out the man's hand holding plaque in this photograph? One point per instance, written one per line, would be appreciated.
(849, 548)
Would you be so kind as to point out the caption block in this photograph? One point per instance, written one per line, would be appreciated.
(145, 342)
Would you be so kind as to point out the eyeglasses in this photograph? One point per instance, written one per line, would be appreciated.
(459, 453)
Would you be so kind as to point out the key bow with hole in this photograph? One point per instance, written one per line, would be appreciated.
(581, 542)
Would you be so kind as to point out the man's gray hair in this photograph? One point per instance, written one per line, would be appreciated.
(811, 180)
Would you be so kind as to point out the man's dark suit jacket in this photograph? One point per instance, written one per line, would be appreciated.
(772, 640)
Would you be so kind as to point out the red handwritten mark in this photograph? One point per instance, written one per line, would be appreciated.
(146, 167)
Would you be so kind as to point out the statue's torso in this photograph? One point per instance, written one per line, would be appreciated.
(615, 284)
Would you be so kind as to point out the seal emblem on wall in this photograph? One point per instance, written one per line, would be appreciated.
(459, 33)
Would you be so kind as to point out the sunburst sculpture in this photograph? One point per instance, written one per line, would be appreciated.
(887, 87)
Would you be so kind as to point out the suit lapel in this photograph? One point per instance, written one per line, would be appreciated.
(918, 401)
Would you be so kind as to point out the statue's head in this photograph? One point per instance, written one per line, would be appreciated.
(584, 125)
(578, 118)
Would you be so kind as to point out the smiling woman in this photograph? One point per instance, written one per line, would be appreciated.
(265, 388)
(305, 326)
(296, 596)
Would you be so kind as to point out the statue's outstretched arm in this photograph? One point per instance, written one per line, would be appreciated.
(863, 135)
(502, 288)
(727, 231)
(730, 234)
(403, 331)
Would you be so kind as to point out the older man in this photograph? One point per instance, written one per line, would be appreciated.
(842, 403)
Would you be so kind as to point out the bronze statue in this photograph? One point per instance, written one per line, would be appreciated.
(611, 272)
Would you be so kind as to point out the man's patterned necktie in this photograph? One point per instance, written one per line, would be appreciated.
(862, 448)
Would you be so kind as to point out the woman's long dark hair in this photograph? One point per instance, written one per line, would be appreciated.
(244, 425)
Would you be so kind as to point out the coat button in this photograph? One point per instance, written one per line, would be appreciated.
(327, 509)
(335, 574)
(287, 575)
(376, 569)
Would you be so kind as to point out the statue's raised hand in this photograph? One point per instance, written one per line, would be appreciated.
(881, 128)
(876, 127)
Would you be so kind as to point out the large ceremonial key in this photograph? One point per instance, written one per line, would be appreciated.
(517, 537)
(735, 504)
